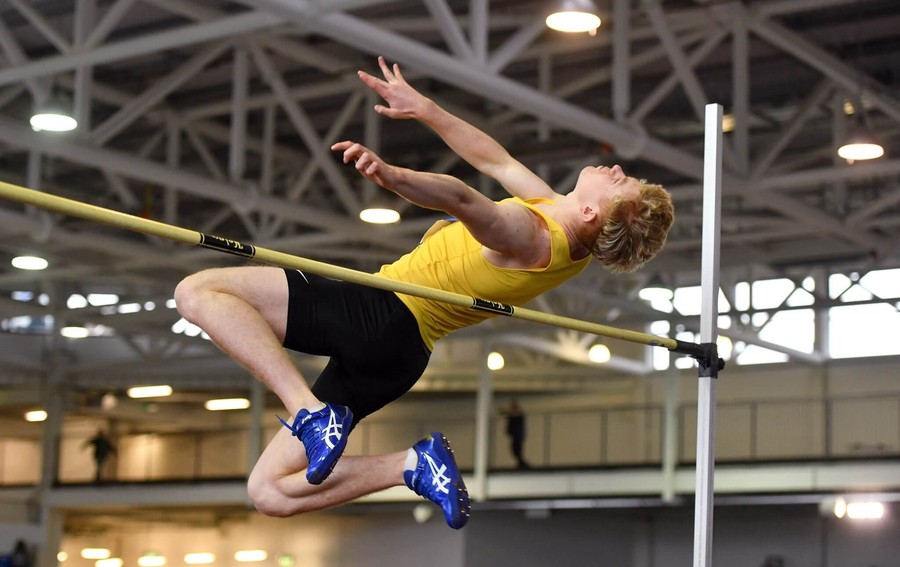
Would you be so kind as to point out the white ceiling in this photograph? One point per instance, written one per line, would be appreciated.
(217, 116)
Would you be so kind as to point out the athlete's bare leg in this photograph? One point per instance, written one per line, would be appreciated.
(244, 311)
(277, 486)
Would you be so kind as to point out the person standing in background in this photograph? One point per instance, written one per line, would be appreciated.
(515, 429)
(103, 449)
(20, 556)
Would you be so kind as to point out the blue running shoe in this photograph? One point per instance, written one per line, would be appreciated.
(436, 478)
(324, 436)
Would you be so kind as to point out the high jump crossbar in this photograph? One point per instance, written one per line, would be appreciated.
(126, 221)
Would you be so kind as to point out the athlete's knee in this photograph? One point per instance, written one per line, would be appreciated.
(190, 293)
(268, 499)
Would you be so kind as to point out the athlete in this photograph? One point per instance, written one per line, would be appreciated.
(379, 342)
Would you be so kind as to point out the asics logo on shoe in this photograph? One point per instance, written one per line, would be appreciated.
(333, 430)
(439, 479)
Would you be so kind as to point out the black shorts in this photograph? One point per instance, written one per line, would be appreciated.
(376, 350)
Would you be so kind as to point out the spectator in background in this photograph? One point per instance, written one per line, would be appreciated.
(20, 556)
(103, 449)
(515, 429)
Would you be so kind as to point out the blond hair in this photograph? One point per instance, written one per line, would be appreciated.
(634, 229)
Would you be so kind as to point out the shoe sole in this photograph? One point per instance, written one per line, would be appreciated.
(458, 492)
(324, 470)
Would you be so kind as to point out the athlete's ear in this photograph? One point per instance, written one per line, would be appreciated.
(588, 213)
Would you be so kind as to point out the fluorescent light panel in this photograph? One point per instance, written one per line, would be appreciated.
(22, 295)
(199, 558)
(35, 416)
(250, 555)
(865, 510)
(95, 553)
(101, 299)
(225, 404)
(151, 560)
(158, 391)
(75, 332)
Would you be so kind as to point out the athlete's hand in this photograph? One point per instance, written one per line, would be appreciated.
(403, 100)
(367, 162)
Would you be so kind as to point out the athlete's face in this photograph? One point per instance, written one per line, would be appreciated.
(598, 186)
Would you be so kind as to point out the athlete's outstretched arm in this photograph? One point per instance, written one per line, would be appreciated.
(508, 228)
(470, 143)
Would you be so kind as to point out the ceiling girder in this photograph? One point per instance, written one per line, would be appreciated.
(16, 135)
(852, 80)
(377, 41)
(150, 43)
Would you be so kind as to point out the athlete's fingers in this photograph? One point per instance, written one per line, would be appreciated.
(398, 74)
(371, 81)
(384, 68)
(387, 111)
(343, 145)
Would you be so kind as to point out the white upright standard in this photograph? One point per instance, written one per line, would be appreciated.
(709, 290)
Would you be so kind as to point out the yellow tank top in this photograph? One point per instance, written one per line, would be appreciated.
(451, 259)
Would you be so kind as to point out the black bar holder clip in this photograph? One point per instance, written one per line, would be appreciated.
(706, 355)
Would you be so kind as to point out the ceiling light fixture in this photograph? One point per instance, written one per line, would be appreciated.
(495, 361)
(95, 553)
(599, 353)
(248, 555)
(23, 296)
(865, 510)
(53, 115)
(159, 391)
(75, 332)
(379, 214)
(36, 416)
(226, 404)
(574, 16)
(30, 263)
(151, 559)
(102, 299)
(199, 558)
(858, 510)
(860, 146)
